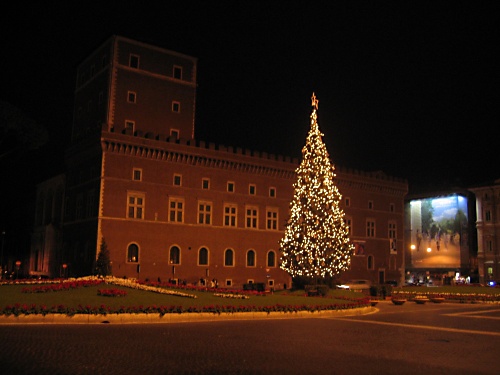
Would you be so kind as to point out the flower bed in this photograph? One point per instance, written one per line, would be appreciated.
(28, 308)
(451, 297)
(62, 285)
(111, 292)
(24, 309)
(230, 295)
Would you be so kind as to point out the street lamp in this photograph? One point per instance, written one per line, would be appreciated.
(18, 265)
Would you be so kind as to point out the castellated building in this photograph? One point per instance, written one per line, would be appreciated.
(172, 207)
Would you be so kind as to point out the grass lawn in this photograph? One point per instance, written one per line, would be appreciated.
(463, 294)
(12, 294)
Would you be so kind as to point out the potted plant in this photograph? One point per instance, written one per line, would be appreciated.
(421, 299)
(398, 300)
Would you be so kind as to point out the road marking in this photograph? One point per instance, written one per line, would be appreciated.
(432, 328)
(473, 314)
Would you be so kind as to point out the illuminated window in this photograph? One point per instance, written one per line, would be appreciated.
(370, 228)
(176, 210)
(131, 96)
(133, 61)
(272, 219)
(133, 253)
(135, 205)
(251, 215)
(174, 255)
(250, 258)
(229, 258)
(205, 213)
(137, 174)
(230, 215)
(203, 257)
(271, 259)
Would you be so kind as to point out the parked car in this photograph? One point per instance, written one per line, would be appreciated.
(358, 284)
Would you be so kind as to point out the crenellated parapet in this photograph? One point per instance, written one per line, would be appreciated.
(211, 155)
(202, 154)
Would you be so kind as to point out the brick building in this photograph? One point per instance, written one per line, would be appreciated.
(170, 206)
(488, 231)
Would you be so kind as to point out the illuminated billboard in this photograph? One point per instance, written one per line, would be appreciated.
(439, 228)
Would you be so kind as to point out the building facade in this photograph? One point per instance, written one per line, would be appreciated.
(488, 231)
(172, 207)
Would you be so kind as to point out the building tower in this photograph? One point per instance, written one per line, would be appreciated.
(123, 88)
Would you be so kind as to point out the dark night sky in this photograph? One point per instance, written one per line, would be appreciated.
(406, 87)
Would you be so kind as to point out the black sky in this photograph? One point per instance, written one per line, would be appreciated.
(406, 87)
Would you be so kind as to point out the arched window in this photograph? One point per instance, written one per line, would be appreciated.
(250, 258)
(229, 258)
(175, 255)
(271, 259)
(370, 262)
(203, 257)
(133, 253)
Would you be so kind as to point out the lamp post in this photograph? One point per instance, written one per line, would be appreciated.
(18, 265)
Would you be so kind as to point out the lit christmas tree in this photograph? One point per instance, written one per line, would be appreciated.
(316, 242)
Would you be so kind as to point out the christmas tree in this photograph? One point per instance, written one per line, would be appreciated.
(103, 262)
(316, 242)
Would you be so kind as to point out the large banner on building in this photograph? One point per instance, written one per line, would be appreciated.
(438, 231)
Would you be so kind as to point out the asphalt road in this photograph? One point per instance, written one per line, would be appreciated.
(410, 339)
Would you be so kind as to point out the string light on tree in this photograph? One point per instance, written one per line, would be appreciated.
(316, 242)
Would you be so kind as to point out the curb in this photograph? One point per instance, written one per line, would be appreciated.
(176, 318)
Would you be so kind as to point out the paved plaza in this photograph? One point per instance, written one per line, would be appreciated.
(409, 339)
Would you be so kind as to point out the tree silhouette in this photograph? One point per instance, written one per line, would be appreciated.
(103, 263)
